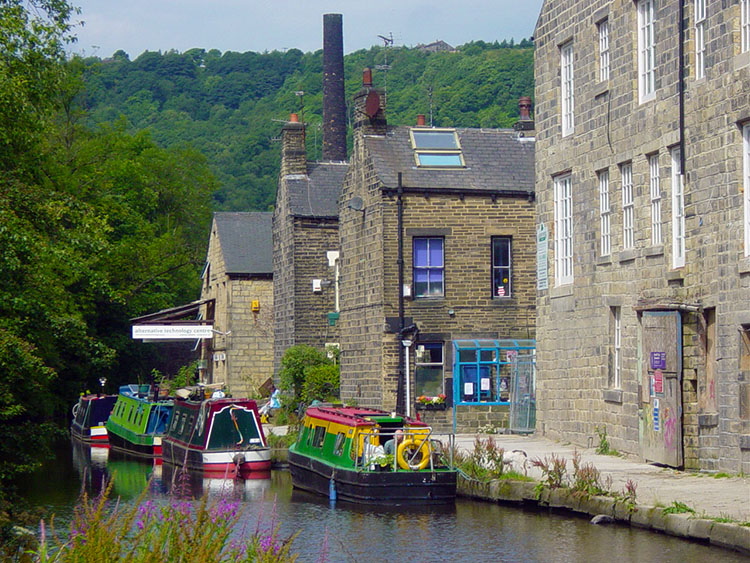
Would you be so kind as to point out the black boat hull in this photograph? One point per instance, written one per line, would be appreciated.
(373, 487)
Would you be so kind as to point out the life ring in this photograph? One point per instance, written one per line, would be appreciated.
(406, 450)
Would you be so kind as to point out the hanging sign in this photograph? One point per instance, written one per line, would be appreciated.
(542, 245)
(172, 332)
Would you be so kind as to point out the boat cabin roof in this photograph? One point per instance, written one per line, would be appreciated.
(358, 416)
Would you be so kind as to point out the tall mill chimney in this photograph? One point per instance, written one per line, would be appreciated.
(334, 105)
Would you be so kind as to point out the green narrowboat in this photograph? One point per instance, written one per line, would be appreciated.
(139, 420)
(345, 453)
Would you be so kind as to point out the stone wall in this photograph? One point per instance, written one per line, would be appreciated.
(613, 127)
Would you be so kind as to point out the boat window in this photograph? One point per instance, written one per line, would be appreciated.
(319, 437)
(173, 423)
(338, 446)
(182, 424)
(190, 424)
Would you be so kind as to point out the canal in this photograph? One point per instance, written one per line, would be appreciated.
(469, 531)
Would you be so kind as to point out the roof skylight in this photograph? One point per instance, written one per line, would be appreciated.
(436, 148)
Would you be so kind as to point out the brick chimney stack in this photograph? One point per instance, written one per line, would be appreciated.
(525, 122)
(334, 103)
(293, 154)
(369, 108)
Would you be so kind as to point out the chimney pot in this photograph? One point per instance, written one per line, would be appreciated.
(524, 108)
(293, 118)
(367, 77)
(420, 120)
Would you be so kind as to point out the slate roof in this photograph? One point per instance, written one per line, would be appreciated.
(496, 159)
(246, 242)
(317, 194)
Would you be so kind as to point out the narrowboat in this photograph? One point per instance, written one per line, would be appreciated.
(138, 420)
(218, 436)
(90, 416)
(370, 456)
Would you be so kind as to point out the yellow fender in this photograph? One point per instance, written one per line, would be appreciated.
(406, 451)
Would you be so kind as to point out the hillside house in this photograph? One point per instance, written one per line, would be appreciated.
(437, 235)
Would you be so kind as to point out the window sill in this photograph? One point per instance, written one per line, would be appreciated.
(744, 266)
(742, 60)
(562, 291)
(627, 255)
(601, 89)
(503, 301)
(708, 420)
(429, 301)
(674, 275)
(613, 396)
(647, 98)
(657, 250)
(604, 260)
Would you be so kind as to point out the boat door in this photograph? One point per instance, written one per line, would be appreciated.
(661, 379)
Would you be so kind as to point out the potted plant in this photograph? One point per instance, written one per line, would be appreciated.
(425, 402)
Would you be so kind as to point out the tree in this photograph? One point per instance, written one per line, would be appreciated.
(295, 363)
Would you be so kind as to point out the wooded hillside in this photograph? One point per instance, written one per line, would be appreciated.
(228, 105)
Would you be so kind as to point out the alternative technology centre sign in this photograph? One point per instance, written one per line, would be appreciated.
(172, 332)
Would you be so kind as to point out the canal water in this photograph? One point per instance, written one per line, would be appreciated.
(469, 531)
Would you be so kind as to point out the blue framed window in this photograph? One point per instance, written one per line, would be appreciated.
(482, 369)
(428, 267)
(501, 267)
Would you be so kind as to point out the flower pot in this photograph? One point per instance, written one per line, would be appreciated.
(431, 406)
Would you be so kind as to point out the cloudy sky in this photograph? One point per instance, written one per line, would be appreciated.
(253, 25)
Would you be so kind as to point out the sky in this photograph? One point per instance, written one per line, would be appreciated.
(136, 26)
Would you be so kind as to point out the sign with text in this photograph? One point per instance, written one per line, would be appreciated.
(172, 332)
(542, 244)
(658, 360)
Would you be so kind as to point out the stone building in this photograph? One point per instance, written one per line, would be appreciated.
(643, 153)
(305, 246)
(237, 295)
(437, 245)
(305, 217)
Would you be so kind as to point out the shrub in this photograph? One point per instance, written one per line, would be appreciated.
(554, 470)
(293, 365)
(321, 383)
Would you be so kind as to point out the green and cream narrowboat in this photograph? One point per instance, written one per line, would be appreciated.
(138, 421)
(343, 453)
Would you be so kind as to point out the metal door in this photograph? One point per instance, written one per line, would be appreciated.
(661, 436)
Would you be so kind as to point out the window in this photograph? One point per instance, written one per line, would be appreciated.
(615, 371)
(338, 446)
(700, 39)
(603, 28)
(428, 267)
(653, 167)
(428, 375)
(319, 437)
(501, 266)
(678, 211)
(566, 84)
(628, 211)
(745, 23)
(746, 183)
(605, 239)
(646, 57)
(436, 148)
(563, 230)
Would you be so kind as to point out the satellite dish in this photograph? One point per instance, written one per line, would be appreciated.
(372, 104)
(356, 203)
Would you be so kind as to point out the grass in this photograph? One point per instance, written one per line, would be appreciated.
(678, 507)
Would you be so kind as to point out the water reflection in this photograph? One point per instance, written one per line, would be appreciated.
(469, 531)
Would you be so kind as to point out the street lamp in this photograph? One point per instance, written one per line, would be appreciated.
(407, 344)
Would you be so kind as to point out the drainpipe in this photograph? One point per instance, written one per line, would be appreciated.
(681, 86)
(400, 262)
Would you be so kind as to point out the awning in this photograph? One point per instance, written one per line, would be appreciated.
(176, 315)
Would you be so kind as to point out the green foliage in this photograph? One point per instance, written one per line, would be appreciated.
(554, 470)
(96, 226)
(294, 365)
(225, 104)
(484, 462)
(586, 478)
(678, 507)
(145, 532)
(603, 447)
(185, 377)
(321, 383)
